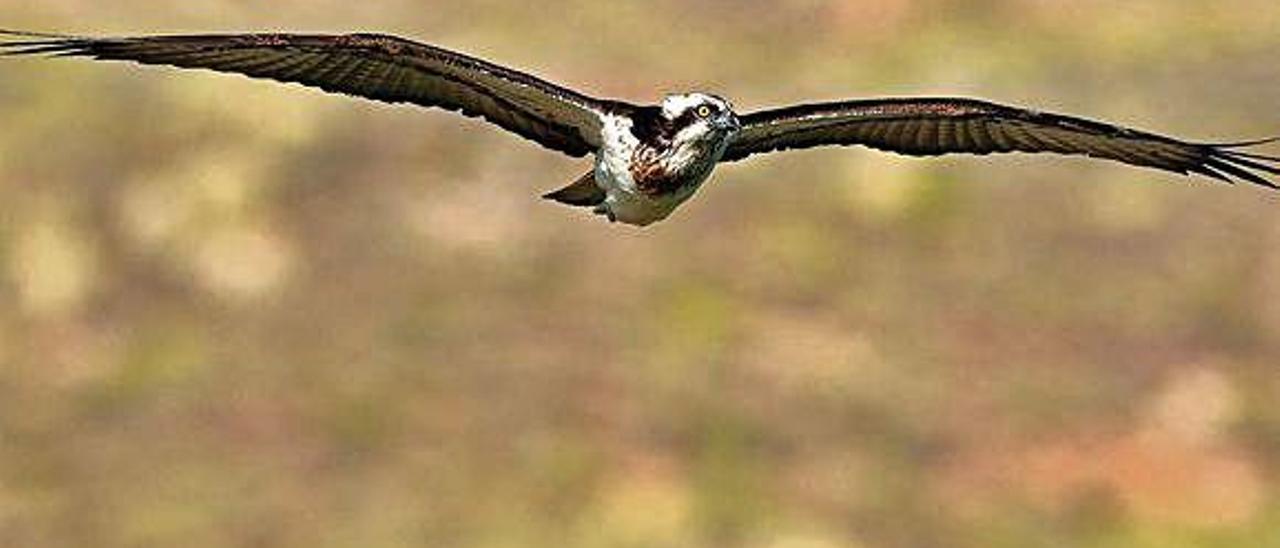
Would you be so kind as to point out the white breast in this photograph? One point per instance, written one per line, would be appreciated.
(624, 201)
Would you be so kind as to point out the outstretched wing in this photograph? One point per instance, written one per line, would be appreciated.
(383, 68)
(929, 127)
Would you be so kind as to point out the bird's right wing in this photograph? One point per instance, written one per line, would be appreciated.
(930, 127)
(379, 67)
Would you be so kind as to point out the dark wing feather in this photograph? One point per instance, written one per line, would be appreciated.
(383, 68)
(929, 127)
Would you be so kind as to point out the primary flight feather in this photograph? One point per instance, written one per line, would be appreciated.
(649, 159)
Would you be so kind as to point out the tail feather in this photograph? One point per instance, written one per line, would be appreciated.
(584, 192)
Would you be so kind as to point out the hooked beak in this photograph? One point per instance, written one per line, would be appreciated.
(728, 123)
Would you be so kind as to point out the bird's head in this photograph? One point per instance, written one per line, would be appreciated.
(686, 131)
(695, 117)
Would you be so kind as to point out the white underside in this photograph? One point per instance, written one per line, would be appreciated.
(624, 202)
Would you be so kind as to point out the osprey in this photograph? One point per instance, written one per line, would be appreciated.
(649, 159)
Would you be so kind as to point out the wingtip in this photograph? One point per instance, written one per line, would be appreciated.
(1226, 161)
(31, 34)
(52, 49)
(1253, 156)
(15, 43)
(1247, 144)
(1209, 172)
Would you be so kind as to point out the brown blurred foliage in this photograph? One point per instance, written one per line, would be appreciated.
(243, 314)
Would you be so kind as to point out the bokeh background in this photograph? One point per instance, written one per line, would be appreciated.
(241, 314)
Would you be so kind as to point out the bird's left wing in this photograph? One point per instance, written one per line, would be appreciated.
(379, 67)
(929, 127)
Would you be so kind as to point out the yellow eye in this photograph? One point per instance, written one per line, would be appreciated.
(704, 111)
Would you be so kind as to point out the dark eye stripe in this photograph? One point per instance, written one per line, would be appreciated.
(686, 119)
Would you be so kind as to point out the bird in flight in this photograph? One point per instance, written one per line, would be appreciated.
(649, 159)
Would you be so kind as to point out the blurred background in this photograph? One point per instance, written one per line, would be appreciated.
(235, 313)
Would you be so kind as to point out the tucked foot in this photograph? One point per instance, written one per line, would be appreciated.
(603, 209)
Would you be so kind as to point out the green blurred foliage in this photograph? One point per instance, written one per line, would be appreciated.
(243, 314)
